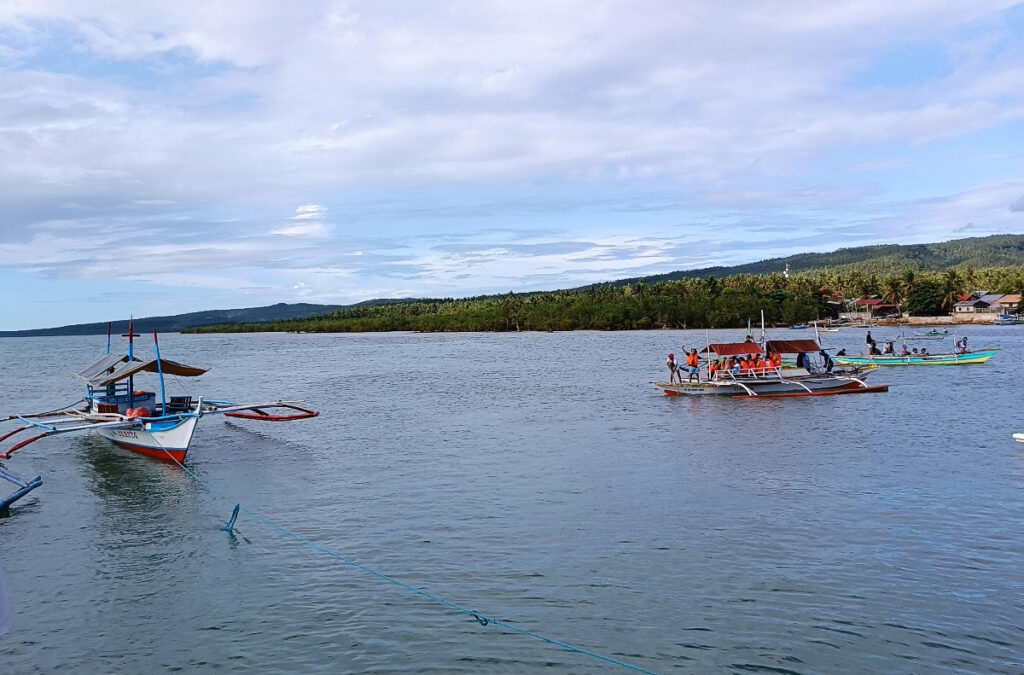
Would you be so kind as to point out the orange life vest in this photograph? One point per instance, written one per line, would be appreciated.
(692, 360)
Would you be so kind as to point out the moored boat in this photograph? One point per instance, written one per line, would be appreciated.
(142, 421)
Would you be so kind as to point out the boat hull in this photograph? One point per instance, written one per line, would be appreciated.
(772, 387)
(163, 439)
(980, 356)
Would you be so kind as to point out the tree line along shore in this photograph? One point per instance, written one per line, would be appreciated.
(727, 302)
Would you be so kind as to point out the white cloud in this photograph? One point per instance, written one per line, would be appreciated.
(209, 122)
(309, 221)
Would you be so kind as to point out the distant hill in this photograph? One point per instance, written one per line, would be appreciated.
(178, 322)
(1003, 250)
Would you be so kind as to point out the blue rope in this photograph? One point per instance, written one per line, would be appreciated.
(480, 618)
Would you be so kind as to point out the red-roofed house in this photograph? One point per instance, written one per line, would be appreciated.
(876, 307)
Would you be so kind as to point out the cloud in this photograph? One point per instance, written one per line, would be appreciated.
(465, 143)
(309, 221)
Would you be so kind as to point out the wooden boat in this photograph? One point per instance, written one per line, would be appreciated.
(947, 359)
(136, 419)
(1006, 320)
(772, 382)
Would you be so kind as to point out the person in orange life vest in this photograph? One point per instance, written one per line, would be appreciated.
(745, 365)
(776, 360)
(673, 370)
(693, 365)
(713, 368)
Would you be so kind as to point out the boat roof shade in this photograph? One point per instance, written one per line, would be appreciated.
(791, 346)
(96, 375)
(733, 348)
(94, 370)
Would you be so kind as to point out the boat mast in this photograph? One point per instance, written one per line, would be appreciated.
(108, 337)
(160, 372)
(131, 358)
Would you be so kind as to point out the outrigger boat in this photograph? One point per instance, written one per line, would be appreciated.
(135, 419)
(933, 334)
(945, 359)
(772, 382)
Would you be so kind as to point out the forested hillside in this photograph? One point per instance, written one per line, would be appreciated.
(687, 303)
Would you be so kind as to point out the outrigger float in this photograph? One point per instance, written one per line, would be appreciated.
(135, 419)
(773, 382)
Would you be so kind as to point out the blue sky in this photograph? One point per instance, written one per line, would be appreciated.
(161, 158)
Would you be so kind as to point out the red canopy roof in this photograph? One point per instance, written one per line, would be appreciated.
(733, 348)
(791, 346)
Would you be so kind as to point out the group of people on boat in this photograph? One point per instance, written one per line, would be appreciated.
(755, 364)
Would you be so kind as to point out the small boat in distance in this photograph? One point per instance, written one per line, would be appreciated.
(1019, 438)
(146, 422)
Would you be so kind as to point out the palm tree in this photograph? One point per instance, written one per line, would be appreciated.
(892, 292)
(952, 285)
(908, 282)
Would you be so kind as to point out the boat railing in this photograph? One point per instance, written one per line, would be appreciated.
(770, 372)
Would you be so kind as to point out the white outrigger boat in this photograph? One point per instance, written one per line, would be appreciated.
(135, 419)
(772, 381)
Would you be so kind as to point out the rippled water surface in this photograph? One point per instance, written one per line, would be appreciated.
(540, 480)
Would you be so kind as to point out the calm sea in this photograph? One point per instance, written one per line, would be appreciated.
(540, 480)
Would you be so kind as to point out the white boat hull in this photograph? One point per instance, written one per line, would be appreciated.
(162, 439)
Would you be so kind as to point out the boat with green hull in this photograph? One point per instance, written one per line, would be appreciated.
(951, 359)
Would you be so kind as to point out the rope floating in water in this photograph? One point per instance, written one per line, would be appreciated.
(476, 616)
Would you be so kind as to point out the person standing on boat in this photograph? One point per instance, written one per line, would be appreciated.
(870, 342)
(693, 365)
(673, 370)
(827, 361)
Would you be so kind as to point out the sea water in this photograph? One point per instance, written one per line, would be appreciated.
(538, 479)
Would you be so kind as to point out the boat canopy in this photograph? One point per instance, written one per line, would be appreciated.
(107, 370)
(733, 348)
(105, 365)
(791, 346)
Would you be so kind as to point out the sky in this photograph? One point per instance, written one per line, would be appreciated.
(163, 158)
